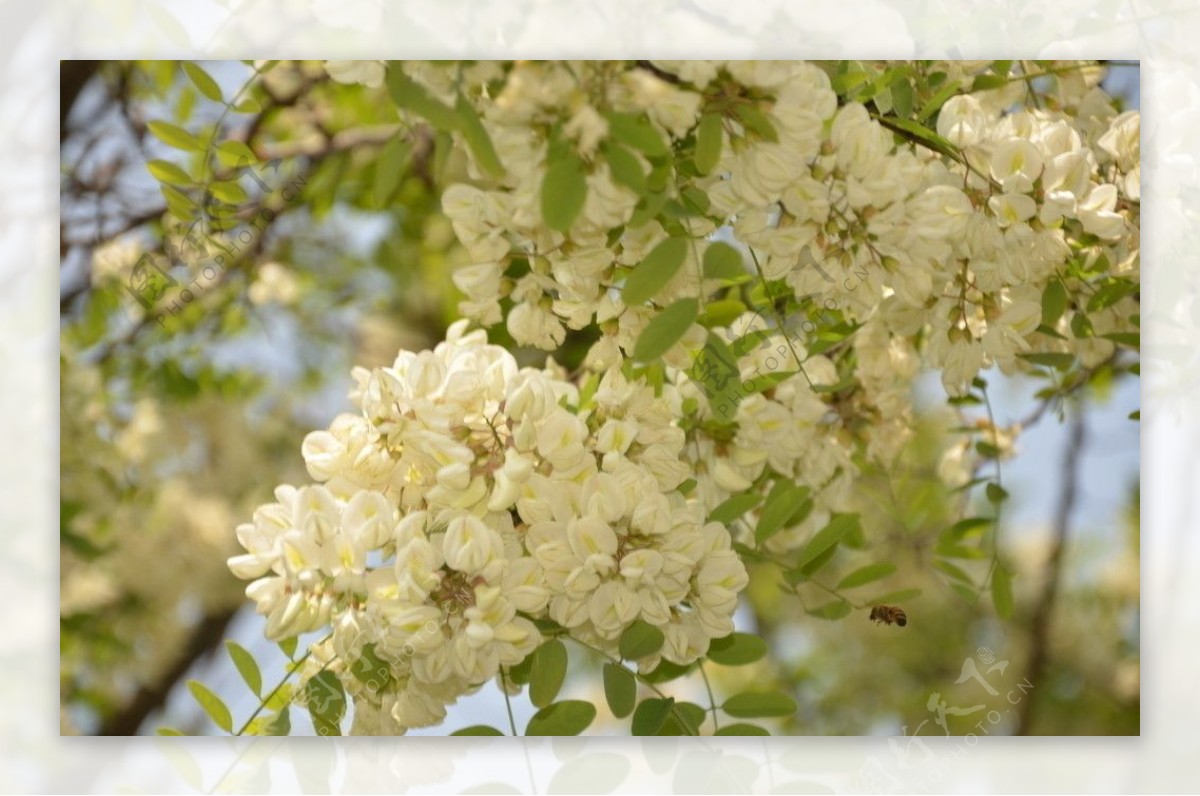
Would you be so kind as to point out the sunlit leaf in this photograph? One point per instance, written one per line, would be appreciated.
(212, 705)
(175, 136)
(247, 667)
(166, 171)
(203, 81)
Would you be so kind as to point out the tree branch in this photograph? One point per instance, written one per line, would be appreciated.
(1039, 627)
(205, 637)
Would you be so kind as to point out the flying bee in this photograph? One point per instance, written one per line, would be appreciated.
(889, 614)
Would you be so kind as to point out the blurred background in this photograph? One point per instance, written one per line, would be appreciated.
(175, 426)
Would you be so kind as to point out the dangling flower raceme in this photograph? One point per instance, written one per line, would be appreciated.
(471, 497)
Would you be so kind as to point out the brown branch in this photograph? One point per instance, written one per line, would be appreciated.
(72, 77)
(151, 696)
(1039, 626)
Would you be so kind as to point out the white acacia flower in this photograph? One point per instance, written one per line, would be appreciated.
(368, 73)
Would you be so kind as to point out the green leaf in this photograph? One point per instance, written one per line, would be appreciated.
(620, 689)
(741, 728)
(935, 102)
(737, 649)
(834, 610)
(865, 575)
(839, 525)
(782, 502)
(389, 170)
(625, 168)
(1110, 293)
(570, 717)
(1002, 594)
(175, 136)
(653, 272)
(166, 171)
(722, 261)
(684, 719)
(902, 595)
(1130, 339)
(1081, 327)
(922, 135)
(564, 189)
(246, 665)
(326, 703)
(716, 369)
(666, 671)
(412, 96)
(708, 142)
(167, 731)
(988, 82)
(235, 154)
(665, 330)
(721, 313)
(1058, 361)
(902, 98)
(650, 715)
(964, 528)
(477, 729)
(1054, 302)
(370, 670)
(228, 191)
(996, 493)
(813, 567)
(734, 507)
(953, 571)
(750, 705)
(965, 593)
(636, 131)
(288, 647)
(477, 138)
(280, 724)
(548, 672)
(640, 640)
(212, 705)
(757, 122)
(203, 81)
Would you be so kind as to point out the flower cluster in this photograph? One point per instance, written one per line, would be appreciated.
(806, 247)
(471, 498)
